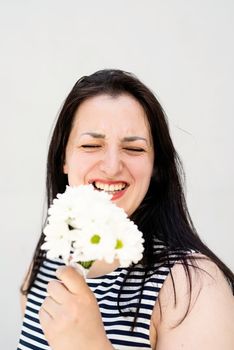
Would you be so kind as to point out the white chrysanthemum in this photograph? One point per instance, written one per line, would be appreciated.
(58, 240)
(129, 247)
(94, 243)
(86, 222)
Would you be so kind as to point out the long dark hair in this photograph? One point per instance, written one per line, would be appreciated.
(163, 213)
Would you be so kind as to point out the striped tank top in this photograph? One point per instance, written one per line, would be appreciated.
(105, 289)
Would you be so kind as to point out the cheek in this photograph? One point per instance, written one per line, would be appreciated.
(142, 172)
(77, 168)
(143, 180)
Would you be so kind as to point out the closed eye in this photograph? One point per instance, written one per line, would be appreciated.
(134, 149)
(90, 146)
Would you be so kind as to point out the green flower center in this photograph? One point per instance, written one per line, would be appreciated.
(119, 244)
(95, 239)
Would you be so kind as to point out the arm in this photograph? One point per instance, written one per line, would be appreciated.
(23, 298)
(209, 324)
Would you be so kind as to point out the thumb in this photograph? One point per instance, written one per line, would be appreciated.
(79, 268)
(71, 279)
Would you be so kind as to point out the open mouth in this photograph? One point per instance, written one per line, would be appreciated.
(109, 188)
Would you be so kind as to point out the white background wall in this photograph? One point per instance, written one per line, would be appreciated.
(182, 49)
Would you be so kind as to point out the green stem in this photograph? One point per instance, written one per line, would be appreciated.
(86, 264)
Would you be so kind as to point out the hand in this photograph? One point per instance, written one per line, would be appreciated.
(70, 316)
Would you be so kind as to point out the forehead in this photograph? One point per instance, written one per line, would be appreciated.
(122, 114)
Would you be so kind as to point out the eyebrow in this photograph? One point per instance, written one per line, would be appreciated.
(134, 138)
(94, 134)
(125, 139)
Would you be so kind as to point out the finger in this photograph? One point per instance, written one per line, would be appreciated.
(57, 291)
(51, 307)
(72, 280)
(44, 317)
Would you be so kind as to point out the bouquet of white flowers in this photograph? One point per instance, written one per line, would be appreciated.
(84, 226)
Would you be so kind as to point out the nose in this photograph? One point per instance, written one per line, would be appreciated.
(111, 164)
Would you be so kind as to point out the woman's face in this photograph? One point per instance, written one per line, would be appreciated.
(110, 147)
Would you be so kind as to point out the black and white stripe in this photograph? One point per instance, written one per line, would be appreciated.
(106, 289)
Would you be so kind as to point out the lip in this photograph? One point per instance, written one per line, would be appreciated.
(118, 194)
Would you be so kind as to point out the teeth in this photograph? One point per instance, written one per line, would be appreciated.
(106, 187)
(100, 185)
(110, 188)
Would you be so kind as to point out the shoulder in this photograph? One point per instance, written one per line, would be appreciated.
(202, 314)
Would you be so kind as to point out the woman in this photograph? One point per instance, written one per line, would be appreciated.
(112, 133)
